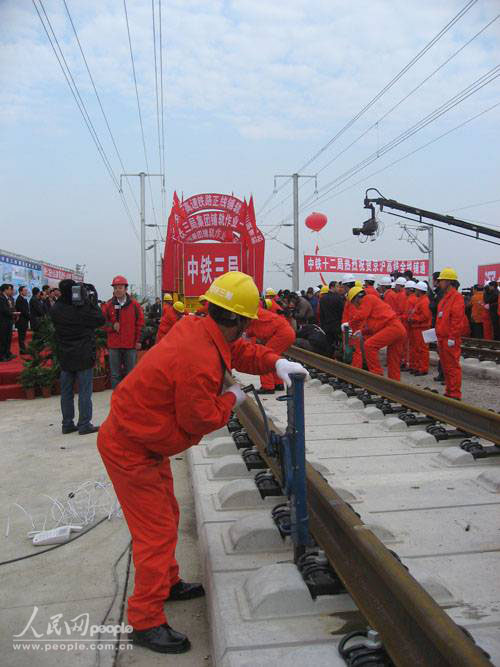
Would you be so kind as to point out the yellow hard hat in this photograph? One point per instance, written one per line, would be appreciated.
(354, 291)
(236, 292)
(270, 292)
(269, 303)
(448, 274)
(167, 297)
(358, 283)
(324, 289)
(179, 307)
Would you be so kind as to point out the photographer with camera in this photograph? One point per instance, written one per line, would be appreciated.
(76, 316)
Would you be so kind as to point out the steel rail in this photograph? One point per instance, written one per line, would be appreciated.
(414, 629)
(481, 342)
(467, 418)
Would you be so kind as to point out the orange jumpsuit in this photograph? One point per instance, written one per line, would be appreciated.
(409, 347)
(164, 406)
(275, 333)
(420, 320)
(369, 289)
(381, 327)
(449, 326)
(400, 303)
(168, 319)
(391, 299)
(357, 359)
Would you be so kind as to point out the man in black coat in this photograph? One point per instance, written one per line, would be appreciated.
(6, 321)
(331, 307)
(23, 308)
(37, 310)
(75, 327)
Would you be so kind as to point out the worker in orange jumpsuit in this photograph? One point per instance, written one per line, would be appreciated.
(380, 327)
(369, 285)
(450, 321)
(387, 293)
(348, 281)
(400, 303)
(409, 345)
(274, 332)
(419, 320)
(167, 301)
(163, 407)
(477, 310)
(202, 309)
(170, 317)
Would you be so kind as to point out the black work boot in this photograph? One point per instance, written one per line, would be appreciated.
(183, 590)
(162, 639)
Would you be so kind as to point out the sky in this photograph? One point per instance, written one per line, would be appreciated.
(251, 89)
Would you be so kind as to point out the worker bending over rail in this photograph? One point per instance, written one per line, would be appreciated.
(171, 315)
(380, 327)
(164, 406)
(274, 332)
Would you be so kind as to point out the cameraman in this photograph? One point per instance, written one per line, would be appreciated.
(75, 319)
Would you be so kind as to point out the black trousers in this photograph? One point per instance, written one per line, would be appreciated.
(21, 332)
(477, 329)
(5, 338)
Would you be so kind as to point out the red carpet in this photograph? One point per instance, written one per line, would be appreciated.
(10, 370)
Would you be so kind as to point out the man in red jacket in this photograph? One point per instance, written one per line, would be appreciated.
(274, 332)
(164, 406)
(380, 328)
(450, 322)
(124, 323)
(420, 319)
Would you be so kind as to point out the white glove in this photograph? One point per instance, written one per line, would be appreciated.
(344, 325)
(487, 306)
(238, 392)
(285, 367)
(451, 343)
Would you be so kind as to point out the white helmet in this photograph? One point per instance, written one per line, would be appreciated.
(370, 277)
(385, 280)
(401, 281)
(348, 278)
(410, 284)
(421, 286)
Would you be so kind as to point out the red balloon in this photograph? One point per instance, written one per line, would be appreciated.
(316, 221)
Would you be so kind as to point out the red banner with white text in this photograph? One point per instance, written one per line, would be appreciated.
(327, 264)
(203, 262)
(487, 272)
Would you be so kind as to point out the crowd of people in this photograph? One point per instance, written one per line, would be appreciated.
(352, 320)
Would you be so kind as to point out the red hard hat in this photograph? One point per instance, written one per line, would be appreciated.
(119, 280)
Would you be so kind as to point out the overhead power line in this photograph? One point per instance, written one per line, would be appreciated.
(454, 101)
(53, 41)
(100, 103)
(381, 92)
(139, 109)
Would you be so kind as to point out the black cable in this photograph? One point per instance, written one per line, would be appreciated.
(56, 546)
(115, 595)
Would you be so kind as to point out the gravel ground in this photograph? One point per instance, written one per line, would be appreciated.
(482, 393)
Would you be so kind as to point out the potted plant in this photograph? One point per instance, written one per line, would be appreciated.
(29, 380)
(45, 381)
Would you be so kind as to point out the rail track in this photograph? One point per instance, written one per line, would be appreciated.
(484, 350)
(414, 629)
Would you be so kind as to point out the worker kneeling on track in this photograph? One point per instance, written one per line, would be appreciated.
(164, 406)
(275, 333)
(380, 327)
